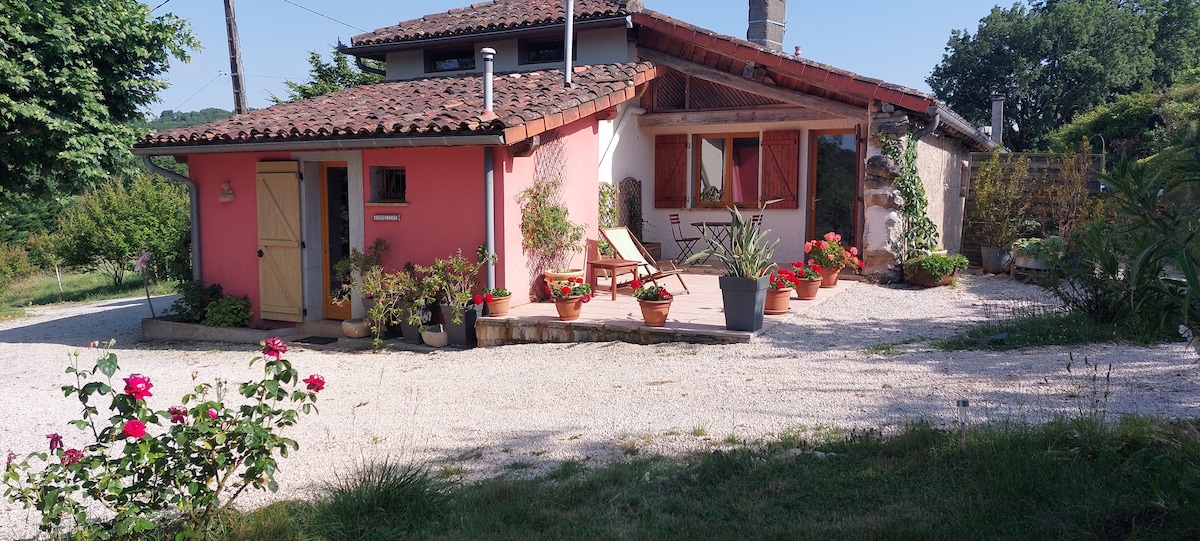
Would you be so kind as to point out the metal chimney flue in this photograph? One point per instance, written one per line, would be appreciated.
(489, 54)
(768, 20)
(998, 118)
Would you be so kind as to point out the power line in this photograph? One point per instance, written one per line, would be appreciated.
(160, 5)
(210, 81)
(322, 15)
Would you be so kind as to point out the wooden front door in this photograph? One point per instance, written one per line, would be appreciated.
(280, 288)
(335, 232)
(834, 189)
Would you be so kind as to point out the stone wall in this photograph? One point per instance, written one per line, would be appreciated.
(882, 220)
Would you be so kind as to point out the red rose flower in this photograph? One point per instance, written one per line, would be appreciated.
(315, 382)
(134, 428)
(274, 347)
(71, 456)
(138, 386)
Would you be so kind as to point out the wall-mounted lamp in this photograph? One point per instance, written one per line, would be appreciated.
(227, 195)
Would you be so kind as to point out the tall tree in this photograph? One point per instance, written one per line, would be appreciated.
(73, 76)
(1057, 58)
(326, 77)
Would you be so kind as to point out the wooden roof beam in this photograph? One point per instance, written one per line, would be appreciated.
(741, 116)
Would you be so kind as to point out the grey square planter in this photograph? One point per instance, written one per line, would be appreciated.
(744, 299)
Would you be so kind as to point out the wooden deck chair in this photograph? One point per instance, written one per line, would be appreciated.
(627, 247)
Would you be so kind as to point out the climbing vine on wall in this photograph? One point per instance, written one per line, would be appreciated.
(920, 233)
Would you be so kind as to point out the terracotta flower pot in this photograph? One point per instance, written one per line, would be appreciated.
(829, 277)
(807, 290)
(655, 312)
(778, 301)
(568, 307)
(556, 279)
(498, 306)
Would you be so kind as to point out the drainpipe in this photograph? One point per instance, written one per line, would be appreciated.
(928, 129)
(362, 66)
(193, 202)
(489, 172)
(568, 46)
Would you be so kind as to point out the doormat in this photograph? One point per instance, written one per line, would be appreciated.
(317, 340)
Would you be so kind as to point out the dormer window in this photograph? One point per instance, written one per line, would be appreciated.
(543, 51)
(456, 59)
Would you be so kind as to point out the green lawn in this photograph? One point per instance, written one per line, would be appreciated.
(42, 289)
(1070, 479)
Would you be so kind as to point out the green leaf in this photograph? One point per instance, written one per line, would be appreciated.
(107, 365)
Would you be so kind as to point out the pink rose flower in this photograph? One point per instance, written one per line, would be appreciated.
(274, 347)
(134, 428)
(55, 441)
(138, 386)
(315, 382)
(71, 456)
(212, 413)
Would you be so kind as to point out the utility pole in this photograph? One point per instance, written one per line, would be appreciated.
(235, 60)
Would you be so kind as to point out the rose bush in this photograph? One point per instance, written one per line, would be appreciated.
(131, 464)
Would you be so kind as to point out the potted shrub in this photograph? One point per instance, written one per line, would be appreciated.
(451, 281)
(548, 237)
(655, 302)
(933, 269)
(829, 257)
(352, 269)
(779, 292)
(569, 298)
(400, 299)
(1001, 204)
(747, 259)
(1038, 253)
(807, 280)
(496, 300)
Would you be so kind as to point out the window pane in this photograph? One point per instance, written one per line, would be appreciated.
(835, 189)
(712, 169)
(745, 170)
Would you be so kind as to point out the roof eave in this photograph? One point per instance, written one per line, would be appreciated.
(378, 50)
(321, 144)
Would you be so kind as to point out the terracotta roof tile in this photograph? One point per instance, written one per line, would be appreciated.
(444, 106)
(495, 15)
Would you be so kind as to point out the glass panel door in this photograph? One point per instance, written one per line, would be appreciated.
(335, 231)
(834, 186)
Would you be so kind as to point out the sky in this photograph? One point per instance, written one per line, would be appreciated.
(898, 41)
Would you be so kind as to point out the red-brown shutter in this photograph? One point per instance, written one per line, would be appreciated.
(781, 168)
(670, 171)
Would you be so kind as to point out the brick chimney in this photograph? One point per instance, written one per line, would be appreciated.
(767, 21)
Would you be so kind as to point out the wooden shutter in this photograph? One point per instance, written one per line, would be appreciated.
(670, 171)
(280, 291)
(781, 168)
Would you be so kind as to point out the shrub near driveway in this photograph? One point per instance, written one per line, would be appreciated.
(209, 450)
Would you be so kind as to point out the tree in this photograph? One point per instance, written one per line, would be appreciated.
(73, 76)
(181, 119)
(327, 77)
(1057, 58)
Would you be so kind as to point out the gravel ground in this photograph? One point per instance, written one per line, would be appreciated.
(860, 360)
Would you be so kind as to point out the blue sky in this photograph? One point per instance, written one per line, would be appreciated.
(898, 41)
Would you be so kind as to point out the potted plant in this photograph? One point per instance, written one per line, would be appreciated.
(353, 268)
(452, 280)
(655, 302)
(569, 298)
(747, 259)
(829, 257)
(1038, 253)
(1001, 204)
(496, 299)
(548, 237)
(779, 292)
(933, 269)
(400, 299)
(807, 279)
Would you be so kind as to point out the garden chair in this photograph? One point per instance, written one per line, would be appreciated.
(686, 244)
(627, 247)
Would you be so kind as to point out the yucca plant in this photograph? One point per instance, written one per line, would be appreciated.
(748, 254)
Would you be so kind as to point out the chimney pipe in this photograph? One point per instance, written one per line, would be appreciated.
(569, 41)
(768, 20)
(997, 118)
(488, 54)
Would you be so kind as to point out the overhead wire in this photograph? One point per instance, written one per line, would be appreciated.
(323, 15)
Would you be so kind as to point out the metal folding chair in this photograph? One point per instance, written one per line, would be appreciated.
(687, 245)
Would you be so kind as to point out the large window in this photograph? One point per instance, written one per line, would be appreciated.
(726, 170)
(449, 59)
(543, 50)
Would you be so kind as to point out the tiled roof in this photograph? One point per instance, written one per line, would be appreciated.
(525, 104)
(493, 16)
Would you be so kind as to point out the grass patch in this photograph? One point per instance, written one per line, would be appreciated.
(1068, 479)
(42, 289)
(1043, 330)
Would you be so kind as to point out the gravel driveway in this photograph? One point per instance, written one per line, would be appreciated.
(860, 360)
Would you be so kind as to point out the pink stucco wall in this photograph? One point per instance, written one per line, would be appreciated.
(445, 210)
(228, 231)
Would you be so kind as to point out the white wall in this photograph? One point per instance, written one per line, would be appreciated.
(598, 46)
(939, 162)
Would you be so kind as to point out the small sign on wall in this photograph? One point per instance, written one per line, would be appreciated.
(386, 217)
